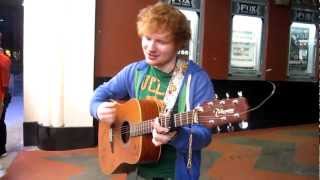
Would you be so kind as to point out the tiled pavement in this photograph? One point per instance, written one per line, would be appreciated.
(266, 154)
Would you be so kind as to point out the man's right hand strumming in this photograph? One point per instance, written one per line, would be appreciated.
(107, 112)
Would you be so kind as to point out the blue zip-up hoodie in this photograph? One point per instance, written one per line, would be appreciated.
(199, 89)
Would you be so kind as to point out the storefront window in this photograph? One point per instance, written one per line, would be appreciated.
(191, 9)
(246, 38)
(303, 41)
(190, 50)
(302, 50)
(246, 45)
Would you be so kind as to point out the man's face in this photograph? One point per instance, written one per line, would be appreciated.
(159, 49)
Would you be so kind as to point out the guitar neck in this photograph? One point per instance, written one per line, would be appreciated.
(172, 121)
(212, 114)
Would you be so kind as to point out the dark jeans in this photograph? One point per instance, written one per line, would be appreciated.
(3, 128)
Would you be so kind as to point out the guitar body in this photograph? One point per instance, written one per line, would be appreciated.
(119, 152)
(128, 141)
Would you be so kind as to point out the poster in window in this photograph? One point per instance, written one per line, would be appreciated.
(243, 49)
(298, 60)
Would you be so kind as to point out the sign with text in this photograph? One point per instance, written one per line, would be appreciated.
(190, 4)
(250, 9)
(299, 46)
(300, 15)
(243, 51)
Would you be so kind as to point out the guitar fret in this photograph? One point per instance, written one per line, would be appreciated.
(142, 128)
(139, 131)
(149, 127)
(135, 130)
(183, 118)
(176, 120)
(214, 114)
(132, 130)
(187, 118)
(145, 127)
(165, 121)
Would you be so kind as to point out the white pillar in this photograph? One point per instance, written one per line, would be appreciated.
(58, 61)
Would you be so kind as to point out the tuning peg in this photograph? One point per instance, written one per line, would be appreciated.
(235, 101)
(230, 127)
(236, 115)
(211, 121)
(227, 95)
(243, 124)
(222, 102)
(239, 93)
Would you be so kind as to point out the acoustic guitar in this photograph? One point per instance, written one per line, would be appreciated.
(128, 141)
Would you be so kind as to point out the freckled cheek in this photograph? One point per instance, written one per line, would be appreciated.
(144, 45)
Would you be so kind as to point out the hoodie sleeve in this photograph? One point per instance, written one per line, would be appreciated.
(116, 88)
(201, 90)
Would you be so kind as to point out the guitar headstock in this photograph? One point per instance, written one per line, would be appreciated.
(224, 112)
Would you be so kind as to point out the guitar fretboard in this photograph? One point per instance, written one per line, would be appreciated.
(170, 121)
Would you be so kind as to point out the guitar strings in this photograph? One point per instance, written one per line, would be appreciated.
(164, 119)
(145, 125)
(184, 117)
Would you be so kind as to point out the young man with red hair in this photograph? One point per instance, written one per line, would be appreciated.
(162, 75)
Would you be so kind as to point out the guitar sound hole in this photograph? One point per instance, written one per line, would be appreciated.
(125, 132)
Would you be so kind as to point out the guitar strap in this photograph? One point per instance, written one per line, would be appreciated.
(175, 84)
(171, 96)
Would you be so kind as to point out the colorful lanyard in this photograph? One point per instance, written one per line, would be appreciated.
(175, 84)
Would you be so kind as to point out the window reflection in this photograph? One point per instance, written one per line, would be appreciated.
(190, 49)
(246, 43)
(301, 49)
